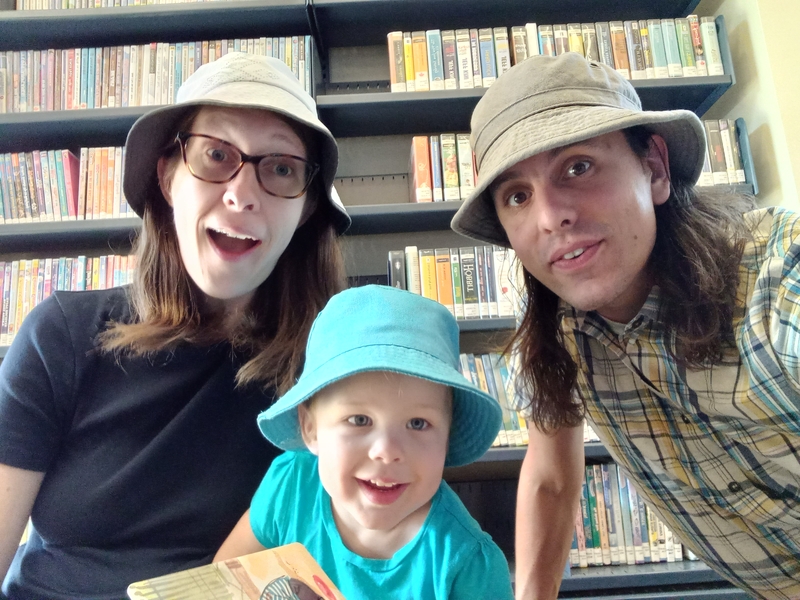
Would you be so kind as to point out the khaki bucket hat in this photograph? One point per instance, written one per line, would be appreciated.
(236, 80)
(548, 102)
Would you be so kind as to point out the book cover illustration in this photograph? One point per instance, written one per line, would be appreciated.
(285, 573)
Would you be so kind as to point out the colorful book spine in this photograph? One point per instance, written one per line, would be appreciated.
(708, 31)
(464, 59)
(436, 168)
(488, 60)
(450, 60)
(433, 38)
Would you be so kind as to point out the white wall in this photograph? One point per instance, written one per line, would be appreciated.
(767, 90)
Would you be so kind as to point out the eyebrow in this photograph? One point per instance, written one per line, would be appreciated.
(551, 155)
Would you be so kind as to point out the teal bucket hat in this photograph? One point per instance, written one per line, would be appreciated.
(380, 328)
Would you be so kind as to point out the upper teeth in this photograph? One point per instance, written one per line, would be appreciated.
(574, 253)
(380, 484)
(238, 236)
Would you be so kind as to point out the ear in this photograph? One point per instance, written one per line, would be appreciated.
(163, 180)
(657, 162)
(308, 209)
(308, 428)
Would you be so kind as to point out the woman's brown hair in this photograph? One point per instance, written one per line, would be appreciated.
(700, 237)
(167, 307)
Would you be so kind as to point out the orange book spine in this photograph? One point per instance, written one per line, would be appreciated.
(420, 167)
(444, 278)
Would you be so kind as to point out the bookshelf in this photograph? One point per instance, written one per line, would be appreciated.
(374, 128)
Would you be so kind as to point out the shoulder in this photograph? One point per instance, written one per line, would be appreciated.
(96, 307)
(451, 521)
(289, 473)
(776, 234)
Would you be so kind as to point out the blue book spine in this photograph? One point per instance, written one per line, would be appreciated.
(62, 273)
(657, 48)
(435, 59)
(673, 53)
(178, 70)
(436, 168)
(81, 273)
(85, 78)
(488, 62)
(91, 70)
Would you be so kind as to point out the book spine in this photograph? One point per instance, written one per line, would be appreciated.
(436, 169)
(412, 270)
(433, 38)
(532, 38)
(450, 181)
(491, 280)
(408, 62)
(82, 177)
(475, 55)
(444, 279)
(587, 523)
(685, 47)
(420, 51)
(619, 47)
(612, 510)
(604, 45)
(727, 148)
(647, 50)
(38, 179)
(627, 517)
(464, 58)
(420, 170)
(575, 38)
(697, 45)
(708, 32)
(589, 35)
(466, 168)
(427, 273)
(397, 269)
(636, 524)
(501, 50)
(71, 174)
(737, 152)
(458, 297)
(21, 175)
(488, 60)
(519, 44)
(84, 78)
(450, 63)
(560, 38)
(591, 494)
(716, 153)
(469, 283)
(602, 519)
(660, 65)
(635, 55)
(397, 69)
(62, 187)
(480, 276)
(547, 42)
(55, 201)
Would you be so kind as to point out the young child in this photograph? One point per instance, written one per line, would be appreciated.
(377, 414)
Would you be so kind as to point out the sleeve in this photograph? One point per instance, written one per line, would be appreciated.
(36, 389)
(785, 318)
(270, 503)
(486, 570)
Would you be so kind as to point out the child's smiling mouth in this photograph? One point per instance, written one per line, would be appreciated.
(379, 492)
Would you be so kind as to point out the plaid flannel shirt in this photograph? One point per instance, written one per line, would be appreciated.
(715, 451)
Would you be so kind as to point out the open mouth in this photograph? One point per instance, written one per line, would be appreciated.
(382, 493)
(232, 243)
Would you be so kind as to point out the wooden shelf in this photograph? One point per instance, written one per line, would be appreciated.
(38, 29)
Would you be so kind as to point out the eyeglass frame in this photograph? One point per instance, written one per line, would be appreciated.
(183, 136)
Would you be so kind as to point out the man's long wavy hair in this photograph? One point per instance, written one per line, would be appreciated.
(700, 237)
(167, 307)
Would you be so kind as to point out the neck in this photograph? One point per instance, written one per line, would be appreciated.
(378, 543)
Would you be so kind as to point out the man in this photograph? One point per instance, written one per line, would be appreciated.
(655, 309)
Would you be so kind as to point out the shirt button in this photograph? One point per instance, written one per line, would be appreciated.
(685, 419)
(734, 487)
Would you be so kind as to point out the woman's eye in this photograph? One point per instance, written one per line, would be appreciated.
(579, 168)
(418, 424)
(359, 420)
(217, 155)
(282, 170)
(517, 198)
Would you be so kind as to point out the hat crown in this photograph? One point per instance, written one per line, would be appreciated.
(373, 316)
(542, 83)
(240, 67)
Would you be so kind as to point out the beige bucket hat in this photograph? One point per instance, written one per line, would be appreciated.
(236, 80)
(548, 102)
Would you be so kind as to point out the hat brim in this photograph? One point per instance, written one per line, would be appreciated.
(682, 131)
(152, 133)
(477, 416)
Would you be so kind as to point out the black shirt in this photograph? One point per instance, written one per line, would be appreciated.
(149, 462)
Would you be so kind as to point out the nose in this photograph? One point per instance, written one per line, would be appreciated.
(243, 193)
(555, 209)
(387, 446)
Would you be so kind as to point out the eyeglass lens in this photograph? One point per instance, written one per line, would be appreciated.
(217, 161)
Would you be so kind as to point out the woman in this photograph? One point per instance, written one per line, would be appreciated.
(128, 416)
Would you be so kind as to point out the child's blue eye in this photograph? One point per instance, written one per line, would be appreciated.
(418, 424)
(359, 420)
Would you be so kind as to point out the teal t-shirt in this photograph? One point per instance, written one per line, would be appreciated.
(449, 558)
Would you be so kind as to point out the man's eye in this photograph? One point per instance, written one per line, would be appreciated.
(578, 168)
(517, 198)
(359, 420)
(418, 424)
